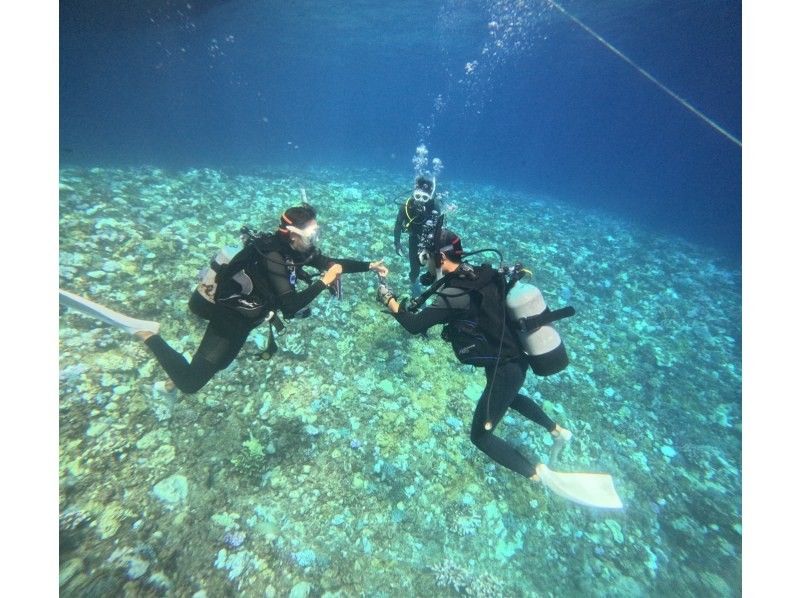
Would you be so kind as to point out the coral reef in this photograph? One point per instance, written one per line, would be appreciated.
(342, 466)
(251, 459)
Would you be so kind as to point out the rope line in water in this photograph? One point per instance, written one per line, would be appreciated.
(647, 75)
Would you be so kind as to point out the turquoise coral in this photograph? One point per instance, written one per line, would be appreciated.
(352, 431)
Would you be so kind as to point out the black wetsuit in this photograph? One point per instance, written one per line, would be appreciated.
(504, 378)
(274, 276)
(411, 218)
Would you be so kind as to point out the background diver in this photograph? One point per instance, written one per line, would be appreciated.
(420, 208)
(466, 296)
(247, 291)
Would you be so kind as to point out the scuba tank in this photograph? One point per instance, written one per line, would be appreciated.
(207, 278)
(229, 266)
(539, 338)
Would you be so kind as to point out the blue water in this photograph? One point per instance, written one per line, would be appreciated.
(248, 84)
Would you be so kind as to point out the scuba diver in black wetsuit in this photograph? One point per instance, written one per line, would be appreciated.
(470, 301)
(418, 209)
(259, 280)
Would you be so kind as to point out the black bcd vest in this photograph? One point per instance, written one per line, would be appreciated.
(482, 337)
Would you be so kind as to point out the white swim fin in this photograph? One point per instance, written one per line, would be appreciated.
(587, 489)
(109, 316)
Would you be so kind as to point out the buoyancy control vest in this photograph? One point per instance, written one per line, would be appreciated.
(480, 337)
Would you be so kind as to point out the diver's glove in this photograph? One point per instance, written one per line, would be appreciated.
(385, 294)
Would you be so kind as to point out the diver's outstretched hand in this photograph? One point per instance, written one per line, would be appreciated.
(379, 268)
(331, 274)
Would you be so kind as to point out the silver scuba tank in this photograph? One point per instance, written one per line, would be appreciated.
(207, 284)
(543, 345)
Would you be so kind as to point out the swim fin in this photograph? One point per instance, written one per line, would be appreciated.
(587, 489)
(109, 316)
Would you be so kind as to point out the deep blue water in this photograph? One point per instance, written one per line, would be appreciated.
(250, 84)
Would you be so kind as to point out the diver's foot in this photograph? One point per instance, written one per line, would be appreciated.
(142, 329)
(536, 477)
(143, 335)
(135, 326)
(164, 387)
(561, 436)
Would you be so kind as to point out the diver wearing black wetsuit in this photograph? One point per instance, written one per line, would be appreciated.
(504, 376)
(274, 276)
(421, 207)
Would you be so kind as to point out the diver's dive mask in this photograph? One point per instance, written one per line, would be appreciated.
(424, 190)
(307, 237)
(421, 196)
